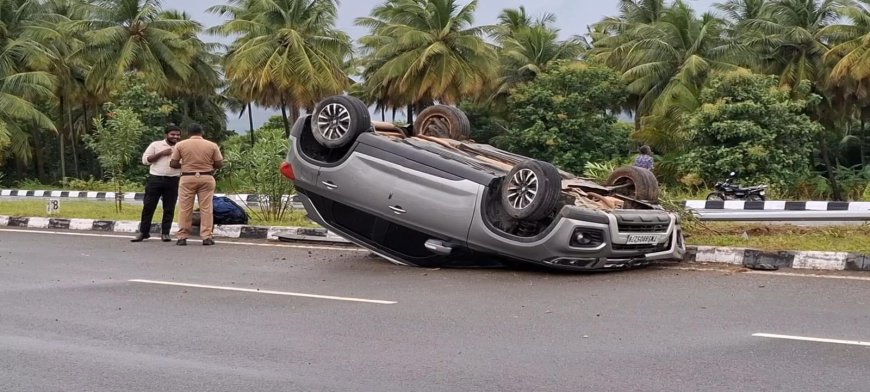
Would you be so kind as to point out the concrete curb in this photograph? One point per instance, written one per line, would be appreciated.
(220, 231)
(751, 258)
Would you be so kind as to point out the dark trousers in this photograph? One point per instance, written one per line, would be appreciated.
(159, 187)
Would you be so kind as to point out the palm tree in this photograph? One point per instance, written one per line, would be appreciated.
(740, 11)
(847, 58)
(788, 38)
(528, 46)
(422, 51)
(613, 37)
(134, 35)
(196, 95)
(51, 27)
(665, 64)
(21, 82)
(288, 52)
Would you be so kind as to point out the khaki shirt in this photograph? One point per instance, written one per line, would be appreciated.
(160, 167)
(197, 155)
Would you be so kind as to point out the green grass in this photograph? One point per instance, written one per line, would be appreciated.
(131, 212)
(854, 239)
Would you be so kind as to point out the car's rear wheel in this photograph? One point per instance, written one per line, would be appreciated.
(338, 120)
(635, 182)
(531, 190)
(444, 122)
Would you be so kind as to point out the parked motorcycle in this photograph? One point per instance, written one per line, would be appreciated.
(728, 191)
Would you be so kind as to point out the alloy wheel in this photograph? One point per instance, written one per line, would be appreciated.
(522, 189)
(333, 122)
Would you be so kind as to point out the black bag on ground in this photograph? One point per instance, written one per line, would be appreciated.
(226, 212)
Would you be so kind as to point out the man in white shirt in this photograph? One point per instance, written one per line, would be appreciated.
(162, 184)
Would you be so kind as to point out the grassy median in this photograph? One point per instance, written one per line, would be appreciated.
(757, 236)
(848, 238)
(131, 212)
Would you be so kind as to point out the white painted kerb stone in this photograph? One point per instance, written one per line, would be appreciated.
(37, 223)
(81, 224)
(227, 231)
(126, 227)
(710, 254)
(820, 260)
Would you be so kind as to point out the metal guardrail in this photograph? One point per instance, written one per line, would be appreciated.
(785, 216)
(777, 210)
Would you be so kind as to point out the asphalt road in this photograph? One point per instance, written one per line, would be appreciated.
(71, 319)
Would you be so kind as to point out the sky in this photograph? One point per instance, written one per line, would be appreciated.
(572, 17)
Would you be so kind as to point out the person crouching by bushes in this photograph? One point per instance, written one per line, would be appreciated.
(645, 159)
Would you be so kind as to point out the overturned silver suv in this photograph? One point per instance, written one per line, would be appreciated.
(425, 195)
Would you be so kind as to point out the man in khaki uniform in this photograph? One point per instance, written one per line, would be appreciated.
(198, 159)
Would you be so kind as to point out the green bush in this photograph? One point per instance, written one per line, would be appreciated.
(114, 142)
(565, 116)
(258, 169)
(746, 123)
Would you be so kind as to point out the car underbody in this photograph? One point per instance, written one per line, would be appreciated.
(428, 199)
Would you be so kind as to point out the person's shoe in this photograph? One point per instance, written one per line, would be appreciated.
(141, 237)
(181, 242)
(165, 238)
(208, 241)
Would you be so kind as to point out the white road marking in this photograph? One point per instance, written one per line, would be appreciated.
(315, 247)
(776, 273)
(808, 339)
(201, 286)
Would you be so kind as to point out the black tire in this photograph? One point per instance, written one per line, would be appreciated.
(637, 183)
(338, 120)
(754, 198)
(715, 196)
(444, 122)
(531, 190)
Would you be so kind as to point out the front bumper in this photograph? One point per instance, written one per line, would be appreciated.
(613, 233)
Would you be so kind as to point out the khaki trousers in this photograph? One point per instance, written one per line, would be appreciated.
(203, 189)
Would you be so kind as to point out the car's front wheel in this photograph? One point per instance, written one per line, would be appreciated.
(338, 120)
(443, 121)
(531, 190)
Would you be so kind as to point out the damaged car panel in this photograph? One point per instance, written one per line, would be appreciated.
(425, 195)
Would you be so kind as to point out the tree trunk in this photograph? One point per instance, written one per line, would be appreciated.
(85, 118)
(60, 134)
(251, 124)
(410, 114)
(863, 144)
(383, 114)
(829, 168)
(637, 117)
(295, 112)
(73, 138)
(284, 117)
(38, 159)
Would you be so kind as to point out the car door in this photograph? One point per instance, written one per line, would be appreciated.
(361, 181)
(433, 204)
